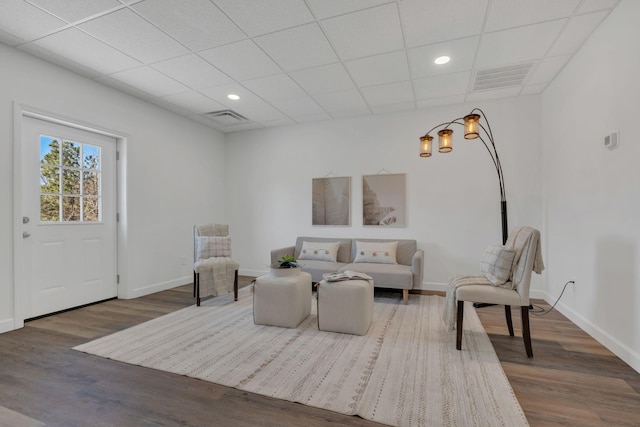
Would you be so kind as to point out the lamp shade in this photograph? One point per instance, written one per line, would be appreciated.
(425, 145)
(445, 143)
(471, 126)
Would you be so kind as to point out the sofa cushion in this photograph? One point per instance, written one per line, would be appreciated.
(376, 252)
(396, 276)
(404, 253)
(344, 250)
(318, 268)
(319, 251)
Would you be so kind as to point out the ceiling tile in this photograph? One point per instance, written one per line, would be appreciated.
(441, 86)
(198, 24)
(256, 17)
(433, 21)
(298, 48)
(323, 79)
(374, 70)
(87, 51)
(276, 123)
(595, 5)
(369, 32)
(547, 69)
(434, 102)
(150, 81)
(576, 32)
(510, 14)
(249, 104)
(58, 60)
(355, 112)
(493, 94)
(123, 87)
(392, 108)
(327, 8)
(241, 60)
(341, 101)
(193, 102)
(75, 10)
(517, 45)
(462, 53)
(392, 93)
(193, 71)
(298, 107)
(275, 87)
(27, 22)
(134, 36)
(533, 89)
(313, 118)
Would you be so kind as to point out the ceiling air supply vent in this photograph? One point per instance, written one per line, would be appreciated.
(226, 117)
(501, 77)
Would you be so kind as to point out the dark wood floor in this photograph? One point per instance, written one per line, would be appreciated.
(572, 380)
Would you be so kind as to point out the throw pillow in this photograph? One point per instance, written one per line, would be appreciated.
(213, 247)
(376, 252)
(319, 251)
(496, 264)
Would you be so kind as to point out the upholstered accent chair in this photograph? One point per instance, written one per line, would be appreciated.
(505, 280)
(214, 272)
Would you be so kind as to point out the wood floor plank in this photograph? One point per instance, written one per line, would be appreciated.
(572, 379)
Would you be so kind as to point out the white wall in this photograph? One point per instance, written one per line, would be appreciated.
(592, 194)
(453, 199)
(175, 172)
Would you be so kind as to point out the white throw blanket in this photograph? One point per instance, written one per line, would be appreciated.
(216, 275)
(450, 309)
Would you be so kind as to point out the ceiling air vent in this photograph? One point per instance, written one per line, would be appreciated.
(501, 77)
(226, 117)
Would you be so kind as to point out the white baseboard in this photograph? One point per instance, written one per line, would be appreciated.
(7, 325)
(156, 287)
(618, 348)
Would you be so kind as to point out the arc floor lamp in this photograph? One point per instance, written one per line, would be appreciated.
(473, 129)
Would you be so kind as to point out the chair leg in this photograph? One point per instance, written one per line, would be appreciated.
(198, 289)
(459, 325)
(405, 296)
(526, 332)
(507, 313)
(235, 287)
(194, 283)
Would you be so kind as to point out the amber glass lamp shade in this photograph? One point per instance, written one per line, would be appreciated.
(445, 143)
(425, 145)
(471, 126)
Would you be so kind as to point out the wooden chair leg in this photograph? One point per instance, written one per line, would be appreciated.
(405, 296)
(459, 325)
(235, 286)
(198, 289)
(507, 313)
(194, 283)
(526, 332)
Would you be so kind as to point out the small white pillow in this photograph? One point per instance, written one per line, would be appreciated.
(213, 247)
(376, 252)
(319, 251)
(496, 264)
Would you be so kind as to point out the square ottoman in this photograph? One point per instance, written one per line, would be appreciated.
(345, 306)
(282, 297)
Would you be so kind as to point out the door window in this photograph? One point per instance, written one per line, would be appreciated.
(70, 181)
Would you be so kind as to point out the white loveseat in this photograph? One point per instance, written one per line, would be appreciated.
(405, 274)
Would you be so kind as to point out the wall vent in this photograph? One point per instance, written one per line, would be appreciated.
(501, 77)
(226, 117)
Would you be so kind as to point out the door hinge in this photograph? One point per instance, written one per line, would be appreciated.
(117, 217)
(117, 155)
(117, 279)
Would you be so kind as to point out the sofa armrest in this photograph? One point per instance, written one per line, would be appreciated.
(417, 268)
(276, 254)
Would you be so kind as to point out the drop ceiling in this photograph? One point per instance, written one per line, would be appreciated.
(297, 61)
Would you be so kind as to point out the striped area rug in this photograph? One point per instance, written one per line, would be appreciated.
(404, 372)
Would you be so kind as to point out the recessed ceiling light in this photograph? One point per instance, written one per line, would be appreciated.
(442, 60)
(233, 96)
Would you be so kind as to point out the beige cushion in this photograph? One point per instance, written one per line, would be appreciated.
(497, 263)
(319, 251)
(376, 252)
(213, 247)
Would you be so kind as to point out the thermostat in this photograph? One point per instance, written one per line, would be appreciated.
(612, 140)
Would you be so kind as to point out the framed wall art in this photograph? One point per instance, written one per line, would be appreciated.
(384, 200)
(331, 201)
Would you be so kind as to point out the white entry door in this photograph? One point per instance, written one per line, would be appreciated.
(69, 248)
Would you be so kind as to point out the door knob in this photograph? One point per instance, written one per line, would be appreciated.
(25, 234)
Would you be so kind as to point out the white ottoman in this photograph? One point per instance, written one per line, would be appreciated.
(282, 298)
(345, 306)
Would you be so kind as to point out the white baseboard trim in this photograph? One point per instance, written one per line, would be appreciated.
(618, 348)
(156, 287)
(7, 325)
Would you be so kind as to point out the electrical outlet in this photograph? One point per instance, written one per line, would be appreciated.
(183, 260)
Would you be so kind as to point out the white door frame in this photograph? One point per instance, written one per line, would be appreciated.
(19, 111)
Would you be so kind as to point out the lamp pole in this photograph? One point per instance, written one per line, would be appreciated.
(473, 129)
